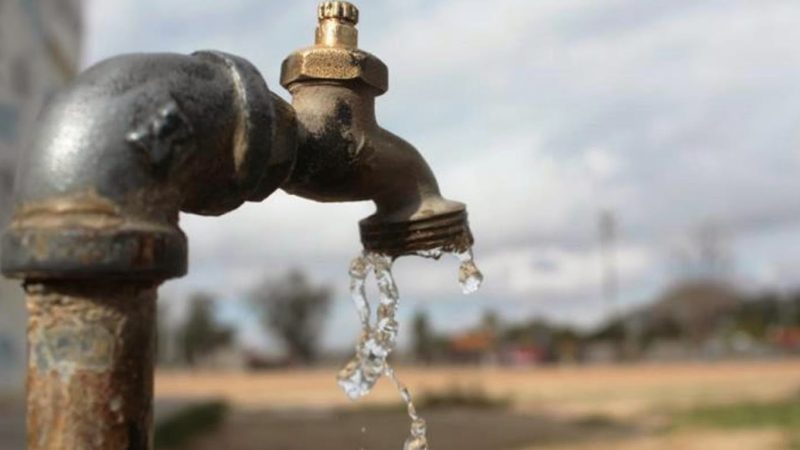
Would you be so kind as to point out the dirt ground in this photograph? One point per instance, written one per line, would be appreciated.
(614, 407)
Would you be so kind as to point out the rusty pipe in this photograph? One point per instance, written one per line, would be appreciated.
(344, 155)
(133, 141)
(90, 383)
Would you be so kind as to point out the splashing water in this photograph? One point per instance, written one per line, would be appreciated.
(376, 343)
(361, 373)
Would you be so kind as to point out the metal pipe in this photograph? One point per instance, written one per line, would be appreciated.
(133, 141)
(90, 365)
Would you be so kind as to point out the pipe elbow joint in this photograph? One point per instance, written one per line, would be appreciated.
(133, 141)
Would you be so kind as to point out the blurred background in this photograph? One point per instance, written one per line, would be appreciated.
(631, 171)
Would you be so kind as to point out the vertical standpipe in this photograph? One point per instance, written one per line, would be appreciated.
(132, 142)
(90, 367)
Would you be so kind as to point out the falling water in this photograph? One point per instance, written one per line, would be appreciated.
(376, 343)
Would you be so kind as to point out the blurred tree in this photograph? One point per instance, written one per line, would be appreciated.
(705, 253)
(490, 322)
(756, 315)
(424, 342)
(697, 307)
(294, 310)
(201, 334)
(164, 335)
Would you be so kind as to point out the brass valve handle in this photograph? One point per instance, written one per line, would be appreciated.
(341, 11)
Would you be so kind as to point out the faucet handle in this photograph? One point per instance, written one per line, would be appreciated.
(341, 11)
(337, 25)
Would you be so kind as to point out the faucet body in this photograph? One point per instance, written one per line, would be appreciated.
(344, 155)
(138, 138)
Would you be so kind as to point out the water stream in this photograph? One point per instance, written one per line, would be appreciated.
(378, 339)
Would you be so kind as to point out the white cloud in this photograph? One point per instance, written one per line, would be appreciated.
(536, 114)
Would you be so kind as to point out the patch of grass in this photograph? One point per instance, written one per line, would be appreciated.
(781, 414)
(176, 431)
(461, 397)
(455, 397)
(596, 421)
(794, 440)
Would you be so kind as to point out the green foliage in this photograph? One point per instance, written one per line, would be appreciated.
(294, 310)
(200, 334)
(424, 342)
(473, 397)
(755, 316)
(794, 440)
(784, 414)
(179, 429)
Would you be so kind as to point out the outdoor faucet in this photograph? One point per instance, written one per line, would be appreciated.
(344, 155)
(135, 140)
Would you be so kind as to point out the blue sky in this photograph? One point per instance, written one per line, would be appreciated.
(678, 116)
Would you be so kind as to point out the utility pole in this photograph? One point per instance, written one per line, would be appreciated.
(608, 238)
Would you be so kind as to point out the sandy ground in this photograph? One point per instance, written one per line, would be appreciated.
(696, 440)
(621, 407)
(448, 430)
(611, 390)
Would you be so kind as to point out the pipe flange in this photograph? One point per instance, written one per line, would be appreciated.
(129, 253)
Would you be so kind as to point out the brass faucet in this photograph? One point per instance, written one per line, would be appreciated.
(138, 138)
(344, 155)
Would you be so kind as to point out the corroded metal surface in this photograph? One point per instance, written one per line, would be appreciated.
(133, 141)
(90, 374)
(344, 155)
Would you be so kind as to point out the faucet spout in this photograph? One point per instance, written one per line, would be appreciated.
(344, 155)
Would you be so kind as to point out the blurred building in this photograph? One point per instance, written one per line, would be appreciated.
(40, 42)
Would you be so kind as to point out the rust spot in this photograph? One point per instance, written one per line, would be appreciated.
(41, 247)
(90, 365)
(86, 209)
(147, 251)
(71, 347)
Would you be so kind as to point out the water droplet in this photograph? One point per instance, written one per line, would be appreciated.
(418, 427)
(434, 253)
(469, 276)
(416, 443)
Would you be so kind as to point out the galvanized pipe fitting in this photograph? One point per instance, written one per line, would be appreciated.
(132, 142)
